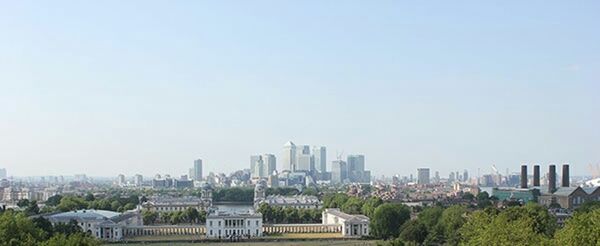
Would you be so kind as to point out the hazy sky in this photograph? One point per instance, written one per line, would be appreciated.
(108, 87)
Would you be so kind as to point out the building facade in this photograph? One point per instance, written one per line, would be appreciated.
(352, 225)
(423, 176)
(102, 224)
(228, 224)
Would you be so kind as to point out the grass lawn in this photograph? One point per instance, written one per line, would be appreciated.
(291, 243)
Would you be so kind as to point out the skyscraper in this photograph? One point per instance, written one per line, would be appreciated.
(356, 167)
(288, 158)
(253, 160)
(138, 180)
(197, 170)
(261, 166)
(304, 162)
(422, 175)
(258, 169)
(2, 173)
(320, 158)
(339, 171)
(270, 164)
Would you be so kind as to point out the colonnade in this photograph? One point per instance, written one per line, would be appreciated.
(132, 231)
(302, 228)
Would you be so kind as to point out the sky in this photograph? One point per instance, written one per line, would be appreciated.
(146, 87)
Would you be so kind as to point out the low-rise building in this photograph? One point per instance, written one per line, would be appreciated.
(353, 225)
(566, 197)
(229, 224)
(103, 224)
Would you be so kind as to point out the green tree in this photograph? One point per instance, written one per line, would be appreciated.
(149, 217)
(67, 228)
(387, 220)
(16, 229)
(32, 208)
(451, 220)
(89, 197)
(353, 206)
(413, 231)
(54, 200)
(23, 203)
(514, 226)
(582, 229)
(77, 239)
(588, 206)
(71, 203)
(370, 205)
(468, 196)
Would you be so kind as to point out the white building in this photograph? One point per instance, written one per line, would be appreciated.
(163, 204)
(138, 180)
(288, 158)
(228, 224)
(352, 225)
(103, 224)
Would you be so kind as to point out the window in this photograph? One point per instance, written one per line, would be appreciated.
(248, 225)
(219, 224)
(257, 232)
(210, 223)
(211, 232)
(256, 223)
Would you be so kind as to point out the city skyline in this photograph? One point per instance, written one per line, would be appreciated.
(148, 87)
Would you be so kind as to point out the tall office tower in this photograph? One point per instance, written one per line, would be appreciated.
(259, 168)
(138, 180)
(253, 160)
(339, 171)
(451, 177)
(437, 176)
(197, 170)
(121, 180)
(288, 158)
(422, 175)
(465, 175)
(356, 167)
(304, 162)
(2, 173)
(320, 158)
(269, 164)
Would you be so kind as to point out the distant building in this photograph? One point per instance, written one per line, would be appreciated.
(231, 225)
(262, 165)
(339, 171)
(288, 158)
(423, 176)
(569, 197)
(121, 180)
(304, 162)
(162, 204)
(352, 225)
(3, 173)
(297, 201)
(356, 169)
(102, 224)
(319, 154)
(197, 170)
(138, 180)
